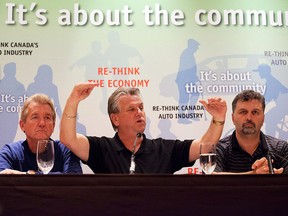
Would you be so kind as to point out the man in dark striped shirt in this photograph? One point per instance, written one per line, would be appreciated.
(247, 149)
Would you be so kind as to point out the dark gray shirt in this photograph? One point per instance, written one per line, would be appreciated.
(232, 158)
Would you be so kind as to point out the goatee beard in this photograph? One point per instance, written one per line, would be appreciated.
(247, 130)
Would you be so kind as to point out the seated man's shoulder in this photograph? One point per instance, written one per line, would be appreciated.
(15, 145)
(274, 140)
(225, 140)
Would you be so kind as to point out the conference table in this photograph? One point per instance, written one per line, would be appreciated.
(91, 194)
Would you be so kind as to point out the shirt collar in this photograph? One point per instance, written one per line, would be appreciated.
(120, 146)
(262, 145)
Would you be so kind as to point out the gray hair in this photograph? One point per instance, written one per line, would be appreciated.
(40, 99)
(113, 100)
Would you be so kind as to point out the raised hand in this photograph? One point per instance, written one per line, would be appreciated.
(216, 107)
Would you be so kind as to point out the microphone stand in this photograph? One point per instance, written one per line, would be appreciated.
(268, 156)
(132, 163)
(271, 171)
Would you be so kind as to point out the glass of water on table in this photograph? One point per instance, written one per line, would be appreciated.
(207, 157)
(45, 155)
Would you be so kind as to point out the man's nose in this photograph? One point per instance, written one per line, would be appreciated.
(249, 115)
(139, 111)
(42, 122)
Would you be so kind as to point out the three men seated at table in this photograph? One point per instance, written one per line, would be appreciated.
(243, 152)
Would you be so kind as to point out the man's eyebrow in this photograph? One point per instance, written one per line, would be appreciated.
(242, 109)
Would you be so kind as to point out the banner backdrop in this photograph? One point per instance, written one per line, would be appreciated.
(176, 52)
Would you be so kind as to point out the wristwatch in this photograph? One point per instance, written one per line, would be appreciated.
(30, 172)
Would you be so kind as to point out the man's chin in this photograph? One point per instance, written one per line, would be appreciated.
(43, 137)
(249, 131)
(141, 125)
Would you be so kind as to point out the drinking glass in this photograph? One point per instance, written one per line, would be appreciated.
(45, 155)
(207, 157)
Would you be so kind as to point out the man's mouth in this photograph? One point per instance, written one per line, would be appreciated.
(249, 124)
(140, 121)
(41, 131)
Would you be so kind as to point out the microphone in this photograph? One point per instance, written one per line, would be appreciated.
(268, 156)
(132, 163)
(271, 171)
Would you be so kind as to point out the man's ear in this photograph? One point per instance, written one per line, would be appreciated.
(21, 125)
(115, 119)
